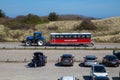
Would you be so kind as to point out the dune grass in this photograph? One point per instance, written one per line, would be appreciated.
(108, 30)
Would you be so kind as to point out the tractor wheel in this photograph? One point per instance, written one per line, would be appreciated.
(28, 43)
(40, 43)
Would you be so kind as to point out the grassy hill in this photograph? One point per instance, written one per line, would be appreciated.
(108, 30)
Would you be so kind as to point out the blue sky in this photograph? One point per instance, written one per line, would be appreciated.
(91, 8)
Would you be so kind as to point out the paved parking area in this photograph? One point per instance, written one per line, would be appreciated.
(20, 71)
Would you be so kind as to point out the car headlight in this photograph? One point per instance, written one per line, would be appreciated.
(106, 75)
(94, 75)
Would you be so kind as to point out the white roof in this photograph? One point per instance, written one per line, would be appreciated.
(67, 33)
(68, 78)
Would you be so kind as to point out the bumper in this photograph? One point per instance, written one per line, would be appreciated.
(90, 63)
(67, 63)
(113, 64)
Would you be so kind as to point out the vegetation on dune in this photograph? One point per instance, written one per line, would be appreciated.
(86, 24)
(16, 29)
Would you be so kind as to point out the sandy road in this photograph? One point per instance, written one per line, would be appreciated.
(20, 45)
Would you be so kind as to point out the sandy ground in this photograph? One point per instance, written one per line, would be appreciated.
(20, 71)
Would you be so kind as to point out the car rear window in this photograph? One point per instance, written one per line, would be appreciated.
(99, 69)
(90, 58)
(67, 56)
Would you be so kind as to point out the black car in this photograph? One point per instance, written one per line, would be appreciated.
(117, 53)
(101, 78)
(110, 60)
(39, 59)
(67, 60)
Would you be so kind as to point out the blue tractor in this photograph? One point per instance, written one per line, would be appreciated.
(37, 38)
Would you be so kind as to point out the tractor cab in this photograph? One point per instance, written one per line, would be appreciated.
(36, 35)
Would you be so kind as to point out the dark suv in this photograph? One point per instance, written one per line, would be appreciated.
(67, 60)
(117, 53)
(110, 60)
(39, 59)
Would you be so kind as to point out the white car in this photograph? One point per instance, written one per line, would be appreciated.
(68, 78)
(97, 71)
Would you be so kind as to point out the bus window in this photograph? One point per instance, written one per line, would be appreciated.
(88, 36)
(65, 36)
(82, 36)
(61, 36)
(78, 36)
(56, 36)
(75, 36)
(69, 36)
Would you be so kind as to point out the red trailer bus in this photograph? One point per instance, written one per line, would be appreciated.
(71, 39)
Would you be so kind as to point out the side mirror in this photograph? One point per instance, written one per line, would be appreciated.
(58, 79)
(77, 79)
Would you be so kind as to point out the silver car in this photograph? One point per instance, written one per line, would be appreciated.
(68, 78)
(90, 60)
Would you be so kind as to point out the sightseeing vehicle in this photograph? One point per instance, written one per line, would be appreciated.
(71, 39)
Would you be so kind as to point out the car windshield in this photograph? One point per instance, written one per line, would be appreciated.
(90, 58)
(67, 56)
(99, 69)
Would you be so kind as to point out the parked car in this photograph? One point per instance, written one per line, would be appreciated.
(68, 78)
(67, 60)
(101, 78)
(117, 53)
(119, 73)
(90, 60)
(39, 59)
(110, 60)
(97, 71)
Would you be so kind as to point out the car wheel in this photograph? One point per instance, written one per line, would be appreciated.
(40, 43)
(28, 43)
(117, 65)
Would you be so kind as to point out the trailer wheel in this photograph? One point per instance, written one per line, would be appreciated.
(40, 43)
(28, 43)
(91, 44)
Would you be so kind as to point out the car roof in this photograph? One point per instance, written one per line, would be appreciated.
(67, 55)
(110, 56)
(68, 78)
(90, 56)
(38, 53)
(101, 78)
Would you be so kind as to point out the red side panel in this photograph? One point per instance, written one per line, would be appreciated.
(70, 41)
